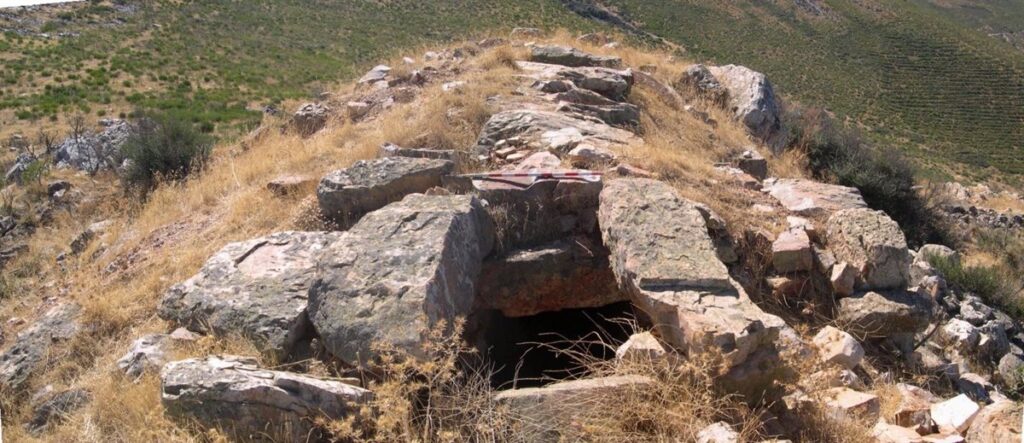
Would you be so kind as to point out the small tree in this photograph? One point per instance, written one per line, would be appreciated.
(159, 147)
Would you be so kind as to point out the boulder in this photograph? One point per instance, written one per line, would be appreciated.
(589, 156)
(974, 311)
(623, 115)
(1011, 370)
(529, 125)
(874, 244)
(838, 347)
(699, 79)
(846, 402)
(398, 272)
(565, 274)
(21, 164)
(881, 315)
(376, 74)
(719, 432)
(664, 259)
(975, 386)
(56, 408)
(792, 252)
(572, 57)
(347, 194)
(642, 346)
(148, 352)
(914, 408)
(255, 289)
(959, 334)
(811, 198)
(34, 346)
(310, 118)
(751, 99)
(612, 85)
(887, 433)
(998, 422)
(993, 342)
(955, 414)
(285, 185)
(753, 163)
(249, 402)
(843, 279)
(93, 151)
(940, 251)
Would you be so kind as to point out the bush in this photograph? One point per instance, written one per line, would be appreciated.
(884, 176)
(991, 283)
(162, 147)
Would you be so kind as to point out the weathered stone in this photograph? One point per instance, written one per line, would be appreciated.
(699, 79)
(612, 84)
(874, 244)
(975, 311)
(378, 73)
(881, 315)
(838, 347)
(572, 57)
(549, 408)
(310, 118)
(589, 156)
(530, 125)
(256, 289)
(357, 110)
(93, 151)
(669, 95)
(34, 346)
(812, 198)
(21, 164)
(623, 115)
(955, 414)
(566, 274)
(887, 433)
(993, 342)
(753, 163)
(914, 408)
(56, 409)
(234, 394)
(975, 386)
(289, 185)
(791, 252)
(346, 195)
(664, 258)
(1011, 370)
(961, 335)
(642, 346)
(999, 422)
(751, 99)
(719, 432)
(392, 150)
(398, 272)
(844, 279)
(148, 352)
(849, 403)
(540, 160)
(940, 251)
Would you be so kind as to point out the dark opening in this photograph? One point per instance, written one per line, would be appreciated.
(524, 350)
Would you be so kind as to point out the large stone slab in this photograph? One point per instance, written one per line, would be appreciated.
(566, 274)
(873, 243)
(531, 125)
(612, 84)
(249, 402)
(346, 195)
(256, 289)
(751, 98)
(807, 197)
(399, 271)
(664, 259)
(34, 345)
(566, 56)
(882, 315)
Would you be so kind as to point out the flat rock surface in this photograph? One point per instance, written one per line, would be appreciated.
(880, 315)
(807, 197)
(567, 56)
(347, 194)
(256, 288)
(397, 272)
(531, 124)
(234, 393)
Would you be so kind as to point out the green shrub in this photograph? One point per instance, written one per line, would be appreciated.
(162, 147)
(991, 283)
(884, 176)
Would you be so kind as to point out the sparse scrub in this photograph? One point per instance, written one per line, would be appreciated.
(162, 147)
(987, 282)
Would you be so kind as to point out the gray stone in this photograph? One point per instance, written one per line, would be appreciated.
(998, 422)
(146, 353)
(838, 347)
(234, 394)
(811, 198)
(376, 74)
(35, 345)
(914, 408)
(1011, 370)
(346, 195)
(792, 252)
(93, 151)
(21, 164)
(928, 251)
(975, 311)
(843, 279)
(255, 289)
(642, 346)
(530, 125)
(398, 272)
(566, 274)
(699, 79)
(392, 150)
(612, 85)
(310, 118)
(883, 315)
(753, 163)
(751, 98)
(719, 432)
(566, 56)
(56, 408)
(975, 386)
(874, 244)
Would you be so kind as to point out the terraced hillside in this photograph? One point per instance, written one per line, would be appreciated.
(906, 71)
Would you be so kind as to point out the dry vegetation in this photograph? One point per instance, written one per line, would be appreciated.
(155, 244)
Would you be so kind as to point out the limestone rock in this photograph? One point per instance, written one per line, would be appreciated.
(751, 98)
(961, 335)
(588, 156)
(874, 244)
(719, 432)
(849, 403)
(843, 279)
(881, 315)
(810, 198)
(398, 272)
(256, 289)
(998, 422)
(975, 386)
(914, 408)
(838, 347)
(376, 74)
(566, 56)
(530, 125)
(346, 195)
(93, 151)
(1011, 370)
(310, 118)
(612, 85)
(56, 408)
(643, 346)
(974, 311)
(233, 393)
(148, 352)
(955, 414)
(34, 345)
(565, 274)
(539, 160)
(751, 162)
(791, 252)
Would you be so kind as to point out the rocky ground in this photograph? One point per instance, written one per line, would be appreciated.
(797, 311)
